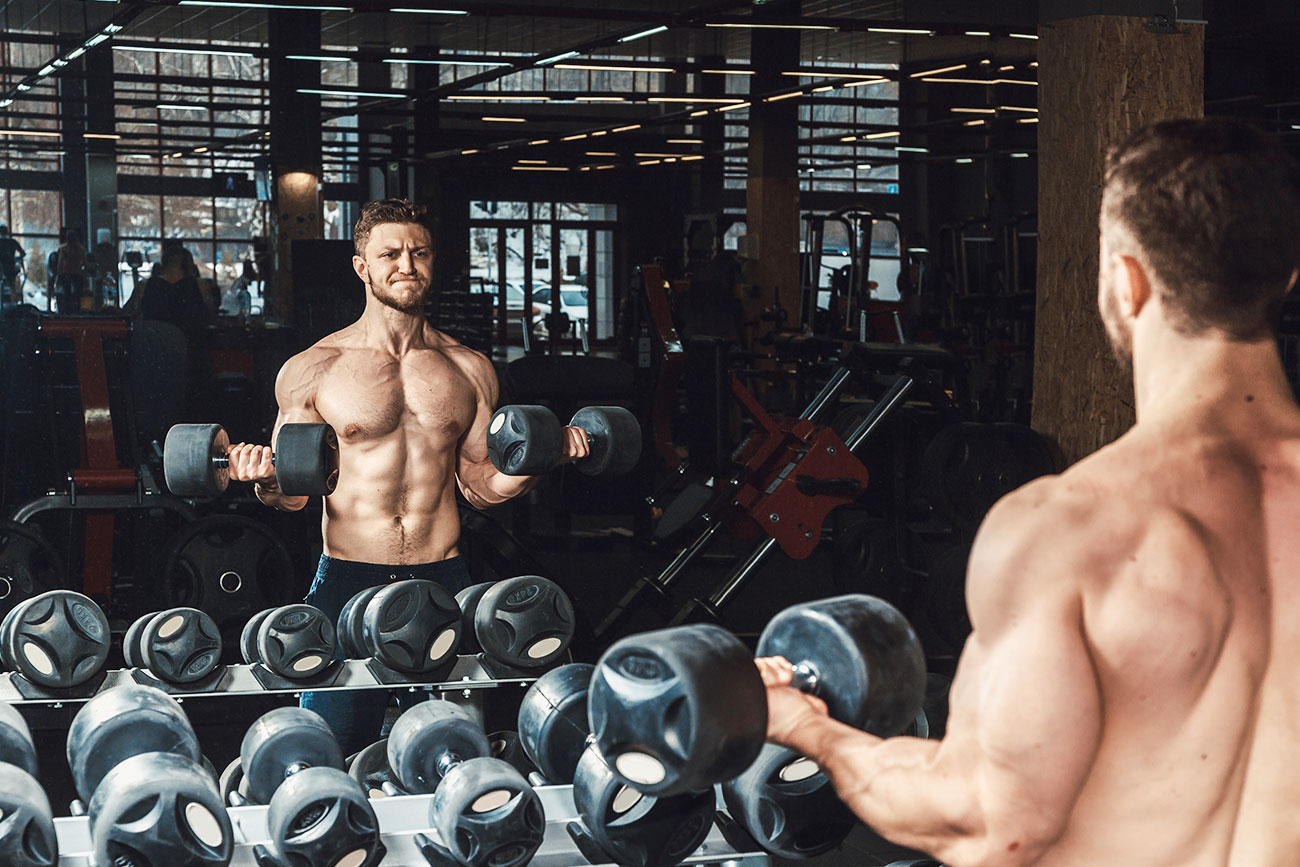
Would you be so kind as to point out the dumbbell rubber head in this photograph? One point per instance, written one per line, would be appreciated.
(348, 630)
(248, 636)
(280, 739)
(59, 639)
(553, 724)
(370, 769)
(296, 641)
(180, 645)
(7, 634)
(412, 626)
(524, 622)
(306, 459)
(525, 440)
(425, 736)
(468, 600)
(865, 656)
(231, 781)
(322, 816)
(487, 815)
(27, 836)
(190, 460)
(507, 747)
(678, 709)
(788, 805)
(122, 722)
(635, 829)
(16, 746)
(131, 640)
(613, 437)
(159, 808)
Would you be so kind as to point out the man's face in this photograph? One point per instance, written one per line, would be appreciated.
(398, 265)
(1118, 331)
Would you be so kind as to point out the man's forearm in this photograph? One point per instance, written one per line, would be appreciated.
(490, 486)
(898, 788)
(270, 495)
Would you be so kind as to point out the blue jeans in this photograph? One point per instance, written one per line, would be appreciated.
(356, 717)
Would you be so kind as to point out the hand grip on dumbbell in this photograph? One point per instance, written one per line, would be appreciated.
(196, 460)
(682, 708)
(528, 440)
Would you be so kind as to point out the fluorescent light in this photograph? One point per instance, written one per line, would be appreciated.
(651, 32)
(775, 26)
(848, 138)
(598, 168)
(32, 132)
(728, 72)
(733, 107)
(23, 87)
(974, 110)
(627, 128)
(76, 52)
(113, 28)
(6, 102)
(913, 150)
(538, 169)
(823, 88)
(600, 132)
(323, 58)
(903, 30)
(96, 39)
(242, 4)
(649, 162)
(864, 167)
(591, 67)
(1027, 120)
(174, 156)
(181, 107)
(962, 160)
(100, 135)
(685, 141)
(690, 157)
(201, 150)
(1006, 68)
(699, 113)
(46, 70)
(565, 56)
(444, 62)
(533, 162)
(540, 141)
(493, 97)
(1024, 108)
(814, 73)
(718, 100)
(58, 63)
(872, 81)
(1020, 156)
(1034, 64)
(781, 96)
(937, 71)
(1023, 35)
(574, 137)
(978, 33)
(599, 154)
(157, 50)
(889, 133)
(977, 122)
(379, 93)
(599, 99)
(495, 119)
(469, 151)
(431, 11)
(980, 81)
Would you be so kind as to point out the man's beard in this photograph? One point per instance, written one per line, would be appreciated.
(415, 305)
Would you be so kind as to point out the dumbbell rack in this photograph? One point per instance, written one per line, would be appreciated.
(467, 675)
(400, 819)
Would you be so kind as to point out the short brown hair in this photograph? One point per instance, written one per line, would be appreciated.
(1214, 208)
(387, 211)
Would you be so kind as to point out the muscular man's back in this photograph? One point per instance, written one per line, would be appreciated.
(399, 419)
(1189, 605)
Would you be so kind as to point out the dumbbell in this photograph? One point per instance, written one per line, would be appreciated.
(683, 708)
(524, 622)
(27, 836)
(59, 639)
(317, 813)
(369, 767)
(179, 645)
(411, 626)
(553, 731)
(196, 460)
(528, 440)
(136, 764)
(483, 812)
(292, 641)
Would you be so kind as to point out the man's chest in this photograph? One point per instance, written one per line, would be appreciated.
(364, 400)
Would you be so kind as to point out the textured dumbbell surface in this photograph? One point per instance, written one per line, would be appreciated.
(59, 639)
(280, 742)
(524, 622)
(412, 626)
(348, 629)
(487, 815)
(27, 836)
(525, 440)
(179, 645)
(613, 440)
(553, 725)
(295, 641)
(322, 816)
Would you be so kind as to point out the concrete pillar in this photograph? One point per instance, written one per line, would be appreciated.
(295, 144)
(772, 190)
(1100, 78)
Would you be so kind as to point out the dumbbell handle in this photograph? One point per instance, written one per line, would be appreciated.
(446, 762)
(222, 462)
(805, 678)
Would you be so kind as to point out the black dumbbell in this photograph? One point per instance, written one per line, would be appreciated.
(293, 641)
(410, 626)
(179, 645)
(553, 730)
(788, 805)
(507, 747)
(59, 639)
(196, 460)
(136, 763)
(524, 622)
(528, 440)
(483, 812)
(317, 814)
(27, 836)
(369, 768)
(679, 709)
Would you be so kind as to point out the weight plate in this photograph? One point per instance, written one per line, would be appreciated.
(29, 565)
(488, 815)
(468, 600)
(296, 641)
(370, 768)
(248, 636)
(190, 454)
(348, 631)
(16, 741)
(180, 645)
(306, 459)
(412, 626)
(60, 639)
(322, 816)
(279, 739)
(524, 622)
(7, 634)
(428, 735)
(131, 640)
(553, 725)
(27, 836)
(231, 781)
(788, 805)
(614, 439)
(525, 440)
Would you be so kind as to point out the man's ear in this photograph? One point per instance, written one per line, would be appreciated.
(1133, 285)
(359, 265)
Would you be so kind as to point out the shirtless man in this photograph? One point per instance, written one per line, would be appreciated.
(411, 408)
(1128, 695)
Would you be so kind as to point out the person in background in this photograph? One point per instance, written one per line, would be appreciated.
(11, 264)
(70, 273)
(238, 299)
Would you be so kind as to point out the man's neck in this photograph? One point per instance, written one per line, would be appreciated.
(391, 330)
